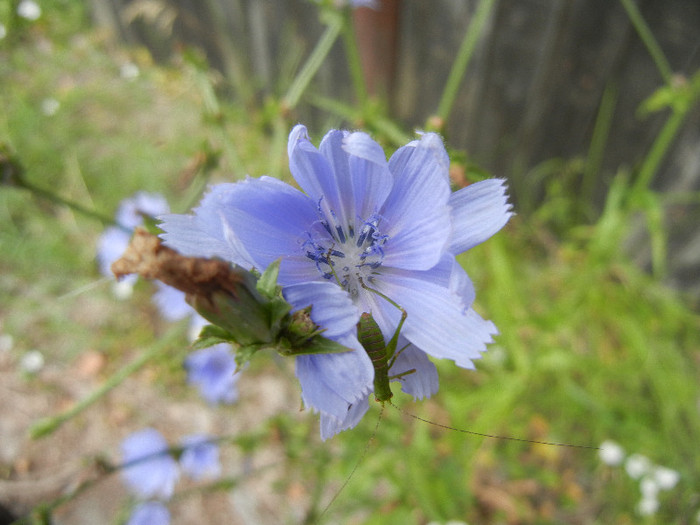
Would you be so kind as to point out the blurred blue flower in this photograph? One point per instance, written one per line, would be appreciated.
(172, 306)
(130, 214)
(200, 457)
(132, 211)
(171, 303)
(213, 371)
(111, 245)
(150, 471)
(149, 513)
(360, 221)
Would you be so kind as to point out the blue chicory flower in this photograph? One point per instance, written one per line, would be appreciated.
(171, 303)
(149, 513)
(150, 471)
(111, 246)
(359, 222)
(132, 211)
(130, 214)
(213, 371)
(200, 457)
(172, 306)
(114, 241)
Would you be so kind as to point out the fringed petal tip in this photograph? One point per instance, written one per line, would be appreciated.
(478, 211)
(331, 425)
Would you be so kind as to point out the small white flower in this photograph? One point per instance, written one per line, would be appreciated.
(649, 487)
(611, 453)
(3, 32)
(123, 289)
(129, 71)
(49, 106)
(29, 10)
(32, 362)
(637, 466)
(496, 355)
(666, 478)
(648, 506)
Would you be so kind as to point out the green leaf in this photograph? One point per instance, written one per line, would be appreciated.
(267, 283)
(662, 98)
(212, 335)
(278, 309)
(246, 353)
(315, 345)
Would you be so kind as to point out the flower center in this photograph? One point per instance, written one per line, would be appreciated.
(350, 257)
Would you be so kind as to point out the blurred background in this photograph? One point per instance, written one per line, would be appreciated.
(531, 96)
(588, 108)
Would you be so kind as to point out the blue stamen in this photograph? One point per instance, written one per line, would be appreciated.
(341, 234)
(323, 250)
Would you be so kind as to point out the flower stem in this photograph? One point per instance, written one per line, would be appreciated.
(21, 182)
(459, 67)
(601, 132)
(659, 148)
(354, 63)
(313, 63)
(46, 426)
(648, 39)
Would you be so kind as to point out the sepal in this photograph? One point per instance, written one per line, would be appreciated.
(212, 335)
(244, 314)
(267, 282)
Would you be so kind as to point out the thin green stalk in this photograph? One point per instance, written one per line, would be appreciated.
(648, 39)
(313, 63)
(278, 146)
(382, 124)
(659, 148)
(459, 67)
(215, 114)
(213, 110)
(57, 199)
(354, 63)
(601, 131)
(46, 426)
(233, 65)
(657, 234)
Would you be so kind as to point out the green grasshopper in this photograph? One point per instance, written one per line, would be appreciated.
(382, 356)
(372, 340)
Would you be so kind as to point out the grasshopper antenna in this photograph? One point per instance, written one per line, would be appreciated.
(490, 436)
(357, 464)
